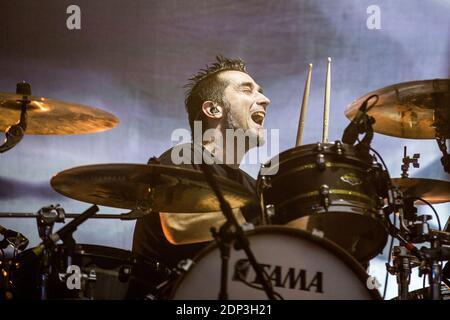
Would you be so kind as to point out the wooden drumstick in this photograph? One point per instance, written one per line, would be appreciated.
(304, 108)
(326, 111)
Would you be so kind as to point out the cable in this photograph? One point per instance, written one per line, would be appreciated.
(394, 222)
(432, 208)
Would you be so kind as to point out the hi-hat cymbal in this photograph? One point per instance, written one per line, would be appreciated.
(410, 110)
(433, 191)
(50, 116)
(139, 186)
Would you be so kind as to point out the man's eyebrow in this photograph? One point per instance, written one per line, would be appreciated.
(251, 85)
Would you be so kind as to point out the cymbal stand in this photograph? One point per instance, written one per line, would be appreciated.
(433, 267)
(46, 219)
(445, 160)
(407, 161)
(14, 133)
(237, 233)
(402, 269)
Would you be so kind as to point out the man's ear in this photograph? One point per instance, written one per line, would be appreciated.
(212, 110)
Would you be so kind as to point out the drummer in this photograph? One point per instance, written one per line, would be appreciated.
(221, 97)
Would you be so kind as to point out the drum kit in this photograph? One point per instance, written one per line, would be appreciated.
(326, 210)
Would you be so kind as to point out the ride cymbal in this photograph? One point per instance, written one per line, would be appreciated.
(414, 110)
(50, 116)
(139, 186)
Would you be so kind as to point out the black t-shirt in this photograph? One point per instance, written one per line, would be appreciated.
(149, 240)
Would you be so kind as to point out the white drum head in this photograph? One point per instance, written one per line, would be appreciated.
(301, 266)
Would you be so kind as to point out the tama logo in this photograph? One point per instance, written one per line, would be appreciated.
(281, 276)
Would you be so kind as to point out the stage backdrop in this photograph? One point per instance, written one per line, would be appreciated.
(132, 58)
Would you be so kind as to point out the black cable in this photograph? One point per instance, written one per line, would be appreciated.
(394, 222)
(432, 208)
(424, 281)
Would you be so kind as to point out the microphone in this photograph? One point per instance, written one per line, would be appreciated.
(352, 131)
(13, 238)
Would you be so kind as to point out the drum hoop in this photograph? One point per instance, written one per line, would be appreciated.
(349, 261)
(332, 192)
(310, 166)
(295, 151)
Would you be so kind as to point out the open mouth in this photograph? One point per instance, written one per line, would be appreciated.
(258, 117)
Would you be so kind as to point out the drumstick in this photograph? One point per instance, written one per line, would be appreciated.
(326, 111)
(304, 108)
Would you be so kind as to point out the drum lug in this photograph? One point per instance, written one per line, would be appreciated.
(270, 211)
(320, 161)
(339, 147)
(320, 147)
(185, 265)
(265, 182)
(324, 193)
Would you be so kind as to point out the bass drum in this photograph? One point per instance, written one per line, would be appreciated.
(106, 273)
(300, 266)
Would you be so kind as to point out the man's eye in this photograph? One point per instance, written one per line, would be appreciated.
(248, 90)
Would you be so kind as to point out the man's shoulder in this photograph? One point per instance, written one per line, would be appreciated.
(190, 155)
(182, 154)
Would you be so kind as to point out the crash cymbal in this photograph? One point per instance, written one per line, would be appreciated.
(50, 116)
(410, 110)
(139, 186)
(433, 191)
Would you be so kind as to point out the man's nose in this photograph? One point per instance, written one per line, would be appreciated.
(263, 100)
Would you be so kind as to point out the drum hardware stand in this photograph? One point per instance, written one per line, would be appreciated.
(224, 239)
(14, 133)
(236, 233)
(18, 242)
(267, 212)
(407, 161)
(416, 229)
(445, 160)
(46, 219)
(402, 269)
(64, 234)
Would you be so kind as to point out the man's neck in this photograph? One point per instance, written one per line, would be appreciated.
(228, 153)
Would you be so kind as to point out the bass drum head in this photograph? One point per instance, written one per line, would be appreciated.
(300, 266)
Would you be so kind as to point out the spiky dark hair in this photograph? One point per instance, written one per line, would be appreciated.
(206, 85)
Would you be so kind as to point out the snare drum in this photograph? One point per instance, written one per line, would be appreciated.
(105, 274)
(326, 189)
(300, 266)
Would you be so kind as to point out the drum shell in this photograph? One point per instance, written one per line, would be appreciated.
(293, 187)
(118, 274)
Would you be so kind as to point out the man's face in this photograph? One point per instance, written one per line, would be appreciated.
(245, 104)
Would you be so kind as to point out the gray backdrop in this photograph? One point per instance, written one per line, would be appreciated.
(132, 58)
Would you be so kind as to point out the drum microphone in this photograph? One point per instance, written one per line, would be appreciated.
(352, 131)
(13, 238)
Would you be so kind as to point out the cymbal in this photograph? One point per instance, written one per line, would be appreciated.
(433, 191)
(50, 116)
(410, 109)
(139, 186)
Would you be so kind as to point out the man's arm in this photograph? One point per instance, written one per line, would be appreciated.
(185, 228)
